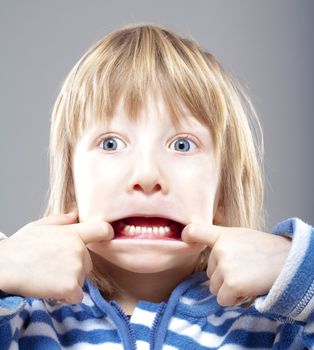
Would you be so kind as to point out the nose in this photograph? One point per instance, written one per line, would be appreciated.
(146, 175)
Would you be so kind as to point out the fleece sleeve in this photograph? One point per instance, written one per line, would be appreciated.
(291, 298)
(10, 305)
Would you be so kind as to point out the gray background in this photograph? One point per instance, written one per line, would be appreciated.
(267, 45)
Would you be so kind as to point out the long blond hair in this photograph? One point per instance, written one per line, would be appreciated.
(126, 63)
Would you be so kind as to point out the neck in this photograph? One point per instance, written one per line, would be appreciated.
(133, 286)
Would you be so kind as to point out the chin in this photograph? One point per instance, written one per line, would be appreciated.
(141, 268)
(144, 261)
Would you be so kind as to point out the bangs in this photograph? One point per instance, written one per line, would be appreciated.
(130, 63)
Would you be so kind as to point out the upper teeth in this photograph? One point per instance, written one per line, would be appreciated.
(134, 230)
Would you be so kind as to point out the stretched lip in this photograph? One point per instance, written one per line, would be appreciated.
(176, 227)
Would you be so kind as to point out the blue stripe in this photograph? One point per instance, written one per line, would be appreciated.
(254, 340)
(39, 342)
(98, 336)
(148, 306)
(67, 311)
(184, 342)
(237, 337)
(142, 332)
(5, 336)
(288, 333)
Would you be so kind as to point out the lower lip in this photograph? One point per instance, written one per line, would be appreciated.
(145, 236)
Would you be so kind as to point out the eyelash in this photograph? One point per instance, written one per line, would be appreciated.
(181, 137)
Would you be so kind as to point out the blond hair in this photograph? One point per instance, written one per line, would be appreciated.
(127, 62)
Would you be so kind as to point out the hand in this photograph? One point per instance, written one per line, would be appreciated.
(48, 258)
(242, 263)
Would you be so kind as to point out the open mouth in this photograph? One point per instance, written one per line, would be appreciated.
(147, 228)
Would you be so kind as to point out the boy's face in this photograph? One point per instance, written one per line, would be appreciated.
(126, 169)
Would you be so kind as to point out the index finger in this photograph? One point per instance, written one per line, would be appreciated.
(93, 231)
(202, 233)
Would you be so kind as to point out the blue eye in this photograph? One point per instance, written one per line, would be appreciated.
(111, 143)
(183, 144)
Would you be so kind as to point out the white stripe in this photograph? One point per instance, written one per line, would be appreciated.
(8, 311)
(142, 345)
(86, 326)
(169, 347)
(41, 328)
(185, 328)
(190, 301)
(236, 347)
(219, 320)
(203, 338)
(68, 323)
(85, 345)
(87, 300)
(143, 317)
(187, 301)
(232, 347)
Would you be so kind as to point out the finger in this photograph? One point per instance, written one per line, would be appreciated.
(215, 282)
(60, 219)
(76, 297)
(202, 233)
(226, 296)
(93, 231)
(211, 265)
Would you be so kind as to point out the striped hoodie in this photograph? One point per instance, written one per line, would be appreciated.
(190, 319)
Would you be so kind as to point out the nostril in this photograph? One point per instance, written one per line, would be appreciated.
(147, 188)
(137, 187)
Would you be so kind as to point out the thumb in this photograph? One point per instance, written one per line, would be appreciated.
(201, 233)
(93, 231)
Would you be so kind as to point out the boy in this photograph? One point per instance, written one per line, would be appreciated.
(151, 146)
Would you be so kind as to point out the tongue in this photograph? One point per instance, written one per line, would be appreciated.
(144, 221)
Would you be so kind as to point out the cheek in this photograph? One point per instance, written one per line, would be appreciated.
(95, 186)
(195, 185)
